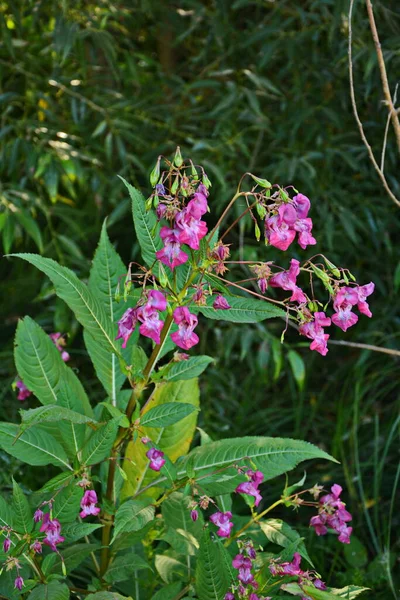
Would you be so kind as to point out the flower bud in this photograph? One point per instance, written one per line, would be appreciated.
(156, 200)
(333, 268)
(257, 231)
(6, 545)
(206, 181)
(194, 172)
(194, 515)
(175, 185)
(155, 174)
(262, 182)
(149, 203)
(178, 161)
(261, 210)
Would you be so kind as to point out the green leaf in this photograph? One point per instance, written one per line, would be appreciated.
(107, 596)
(6, 514)
(298, 367)
(54, 590)
(73, 557)
(174, 440)
(132, 515)
(167, 414)
(43, 371)
(212, 576)
(22, 512)
(77, 296)
(66, 503)
(355, 553)
(99, 445)
(75, 531)
(146, 225)
(168, 592)
(243, 310)
(104, 276)
(55, 483)
(123, 567)
(348, 592)
(176, 513)
(188, 369)
(30, 226)
(50, 413)
(34, 447)
(272, 456)
(279, 532)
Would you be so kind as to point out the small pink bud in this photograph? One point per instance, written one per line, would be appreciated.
(38, 516)
(19, 583)
(194, 515)
(37, 547)
(145, 440)
(6, 545)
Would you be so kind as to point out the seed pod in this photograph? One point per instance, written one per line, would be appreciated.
(262, 182)
(155, 174)
(178, 161)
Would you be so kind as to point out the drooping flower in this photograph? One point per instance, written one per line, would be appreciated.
(363, 292)
(279, 233)
(263, 273)
(191, 230)
(220, 252)
(220, 303)
(347, 297)
(332, 514)
(229, 596)
(185, 337)
(222, 521)
(241, 562)
(19, 583)
(286, 280)
(292, 568)
(151, 324)
(127, 325)
(6, 545)
(88, 504)
(291, 218)
(36, 547)
(194, 515)
(304, 227)
(23, 393)
(52, 529)
(171, 255)
(160, 189)
(251, 487)
(157, 300)
(156, 457)
(197, 206)
(344, 318)
(59, 342)
(314, 331)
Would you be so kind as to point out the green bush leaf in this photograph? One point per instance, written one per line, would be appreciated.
(22, 512)
(6, 514)
(54, 590)
(279, 532)
(188, 369)
(66, 503)
(50, 413)
(212, 575)
(355, 553)
(146, 225)
(132, 515)
(349, 592)
(176, 513)
(104, 276)
(34, 447)
(167, 414)
(107, 596)
(123, 567)
(98, 446)
(298, 367)
(75, 531)
(73, 557)
(243, 310)
(174, 440)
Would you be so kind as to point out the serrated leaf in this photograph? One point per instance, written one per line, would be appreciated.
(75, 531)
(77, 296)
(188, 369)
(176, 513)
(55, 483)
(50, 413)
(123, 567)
(66, 503)
(107, 269)
(22, 512)
(34, 447)
(132, 515)
(298, 367)
(168, 592)
(99, 445)
(73, 557)
(212, 576)
(348, 592)
(174, 440)
(107, 596)
(170, 568)
(243, 310)
(54, 590)
(280, 533)
(146, 225)
(6, 514)
(167, 414)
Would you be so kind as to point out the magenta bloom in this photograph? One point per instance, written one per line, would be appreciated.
(279, 233)
(302, 204)
(127, 325)
(197, 207)
(229, 596)
(38, 515)
(222, 520)
(191, 229)
(281, 228)
(248, 487)
(23, 392)
(6, 545)
(58, 340)
(171, 255)
(241, 562)
(245, 576)
(344, 318)
(292, 568)
(346, 298)
(304, 227)
(319, 584)
(151, 324)
(52, 528)
(286, 280)
(333, 514)
(19, 583)
(36, 547)
(156, 457)
(220, 303)
(185, 337)
(314, 331)
(363, 292)
(88, 504)
(156, 299)
(194, 515)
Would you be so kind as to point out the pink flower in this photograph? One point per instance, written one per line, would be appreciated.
(191, 229)
(344, 533)
(220, 252)
(156, 459)
(59, 342)
(241, 562)
(344, 318)
(281, 228)
(286, 280)
(220, 303)
(333, 514)
(302, 204)
(185, 337)
(52, 528)
(363, 292)
(245, 576)
(318, 522)
(88, 504)
(292, 568)
(36, 547)
(127, 325)
(197, 207)
(151, 323)
(314, 331)
(156, 299)
(194, 515)
(6, 544)
(304, 227)
(19, 583)
(251, 487)
(171, 255)
(222, 520)
(278, 233)
(38, 515)
(229, 596)
(23, 393)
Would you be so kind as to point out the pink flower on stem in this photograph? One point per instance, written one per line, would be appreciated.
(286, 280)
(229, 596)
(363, 292)
(38, 515)
(251, 487)
(292, 568)
(156, 299)
(151, 324)
(19, 583)
(222, 521)
(344, 318)
(185, 337)
(59, 342)
(220, 303)
(333, 514)
(23, 392)
(88, 504)
(52, 528)
(314, 331)
(345, 299)
(191, 229)
(171, 255)
(6, 545)
(36, 547)
(127, 325)
(156, 457)
(197, 206)
(279, 233)
(281, 228)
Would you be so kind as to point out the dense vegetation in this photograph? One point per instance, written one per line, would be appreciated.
(89, 90)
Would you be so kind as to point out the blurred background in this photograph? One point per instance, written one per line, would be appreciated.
(90, 90)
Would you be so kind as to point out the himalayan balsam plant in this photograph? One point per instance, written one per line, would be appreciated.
(132, 510)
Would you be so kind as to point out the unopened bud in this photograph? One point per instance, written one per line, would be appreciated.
(163, 276)
(194, 172)
(206, 181)
(262, 182)
(155, 174)
(194, 515)
(257, 232)
(156, 200)
(178, 158)
(333, 268)
(175, 185)
(261, 210)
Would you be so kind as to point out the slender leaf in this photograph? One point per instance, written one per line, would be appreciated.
(132, 515)
(167, 414)
(188, 369)
(22, 512)
(98, 446)
(279, 532)
(243, 310)
(212, 575)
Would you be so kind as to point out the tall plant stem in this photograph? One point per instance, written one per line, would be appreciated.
(222, 217)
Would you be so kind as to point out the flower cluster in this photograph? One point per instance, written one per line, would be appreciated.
(332, 514)
(52, 529)
(251, 487)
(290, 219)
(347, 297)
(155, 456)
(243, 563)
(88, 504)
(293, 569)
(223, 521)
(58, 340)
